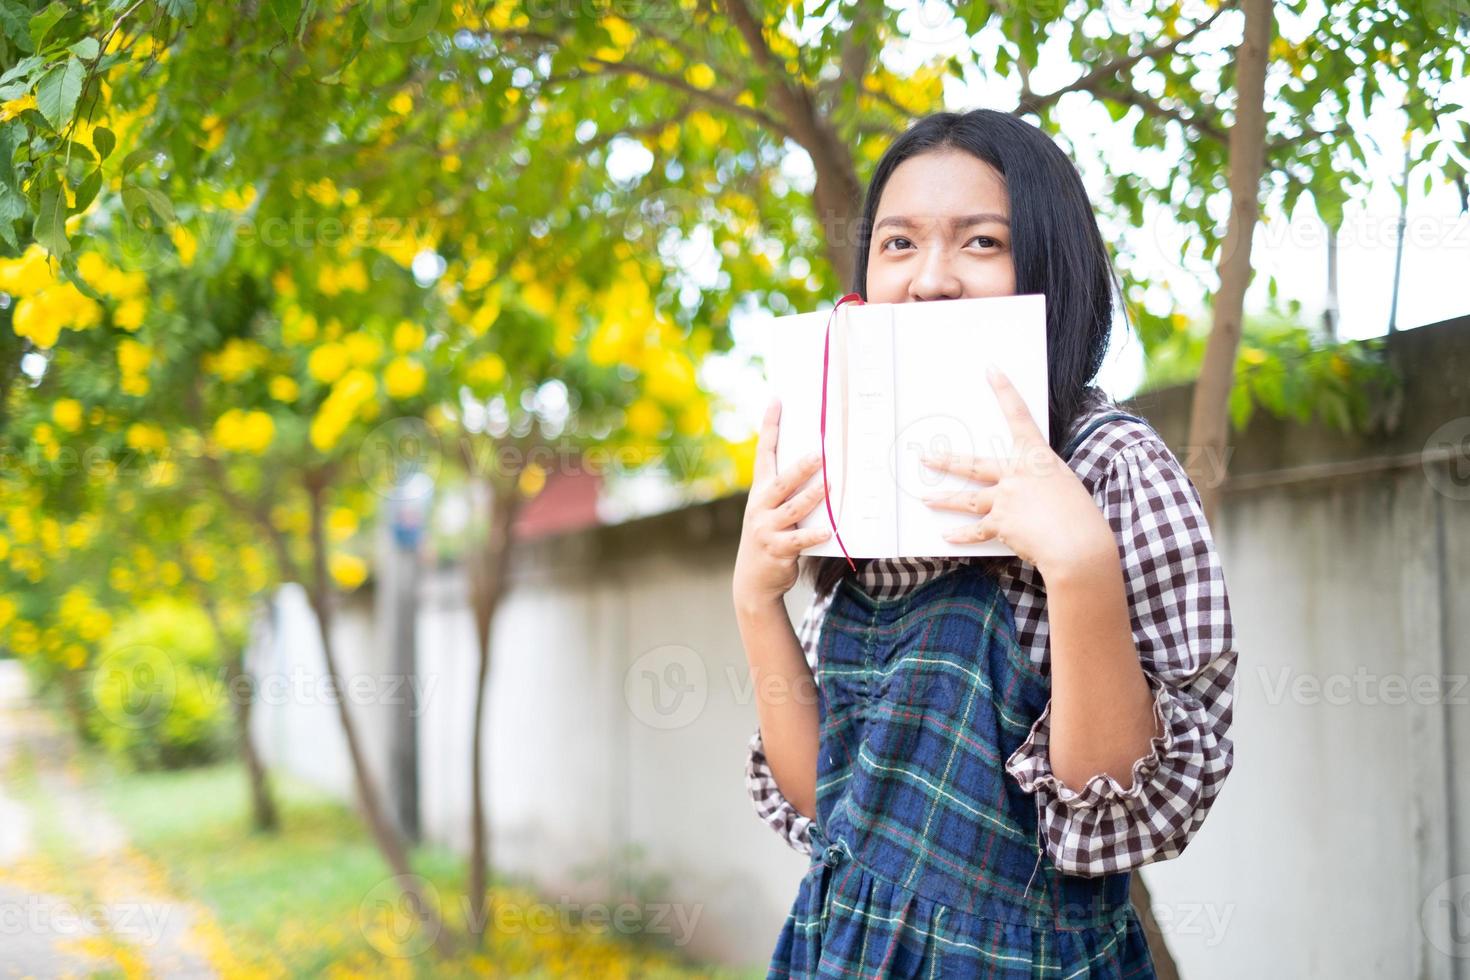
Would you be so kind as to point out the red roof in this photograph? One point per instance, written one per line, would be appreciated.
(568, 502)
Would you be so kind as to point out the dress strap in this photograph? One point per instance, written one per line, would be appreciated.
(1092, 426)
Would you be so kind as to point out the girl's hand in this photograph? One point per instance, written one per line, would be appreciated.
(1037, 506)
(765, 565)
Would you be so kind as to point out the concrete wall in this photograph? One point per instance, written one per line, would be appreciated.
(620, 706)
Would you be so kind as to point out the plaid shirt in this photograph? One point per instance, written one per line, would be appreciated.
(1181, 627)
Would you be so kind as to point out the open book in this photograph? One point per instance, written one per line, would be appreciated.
(903, 379)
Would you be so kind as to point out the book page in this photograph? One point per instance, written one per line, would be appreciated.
(904, 379)
(945, 404)
(860, 417)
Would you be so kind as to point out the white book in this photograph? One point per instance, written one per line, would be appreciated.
(904, 379)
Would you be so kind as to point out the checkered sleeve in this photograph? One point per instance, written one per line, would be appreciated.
(1181, 623)
(770, 805)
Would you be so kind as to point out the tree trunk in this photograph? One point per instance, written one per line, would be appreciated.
(1210, 415)
(384, 833)
(1164, 966)
(241, 686)
(487, 585)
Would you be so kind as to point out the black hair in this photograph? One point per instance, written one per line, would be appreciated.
(1056, 248)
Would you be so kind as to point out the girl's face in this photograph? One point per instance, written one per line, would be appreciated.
(941, 231)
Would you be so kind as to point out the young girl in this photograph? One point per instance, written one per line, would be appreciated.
(976, 752)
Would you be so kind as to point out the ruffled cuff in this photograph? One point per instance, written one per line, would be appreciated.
(1030, 764)
(769, 802)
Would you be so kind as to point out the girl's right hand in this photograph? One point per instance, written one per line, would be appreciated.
(770, 543)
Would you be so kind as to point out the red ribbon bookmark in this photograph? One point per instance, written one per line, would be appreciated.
(826, 487)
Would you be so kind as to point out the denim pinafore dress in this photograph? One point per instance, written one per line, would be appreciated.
(927, 859)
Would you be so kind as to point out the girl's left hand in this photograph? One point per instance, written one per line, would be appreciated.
(1037, 506)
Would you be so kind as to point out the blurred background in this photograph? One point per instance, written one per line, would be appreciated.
(378, 385)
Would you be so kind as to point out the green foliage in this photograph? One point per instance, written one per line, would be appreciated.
(1289, 369)
(157, 701)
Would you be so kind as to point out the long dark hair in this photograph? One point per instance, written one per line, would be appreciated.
(1056, 248)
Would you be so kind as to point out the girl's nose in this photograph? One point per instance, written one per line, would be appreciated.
(934, 279)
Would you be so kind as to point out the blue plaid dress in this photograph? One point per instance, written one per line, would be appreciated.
(926, 858)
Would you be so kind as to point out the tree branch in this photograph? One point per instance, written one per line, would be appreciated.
(1093, 80)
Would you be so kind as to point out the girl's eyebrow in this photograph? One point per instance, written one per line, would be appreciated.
(963, 221)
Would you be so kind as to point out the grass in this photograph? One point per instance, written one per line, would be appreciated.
(289, 904)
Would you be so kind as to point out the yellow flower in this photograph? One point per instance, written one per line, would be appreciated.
(14, 107)
(363, 350)
(132, 360)
(67, 413)
(693, 419)
(145, 437)
(327, 362)
(30, 273)
(341, 523)
(244, 431)
(479, 273)
(700, 76)
(485, 371)
(669, 376)
(403, 378)
(408, 337)
(532, 480)
(348, 571)
(129, 314)
(236, 360)
(284, 389)
(645, 418)
(184, 243)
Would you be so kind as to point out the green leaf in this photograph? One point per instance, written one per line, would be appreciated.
(88, 191)
(1240, 406)
(56, 96)
(104, 140)
(50, 227)
(42, 23)
(14, 18)
(22, 69)
(86, 48)
(131, 161)
(12, 208)
(287, 13)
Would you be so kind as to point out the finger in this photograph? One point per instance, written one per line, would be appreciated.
(799, 506)
(965, 501)
(1018, 417)
(986, 469)
(788, 544)
(970, 533)
(785, 484)
(765, 444)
